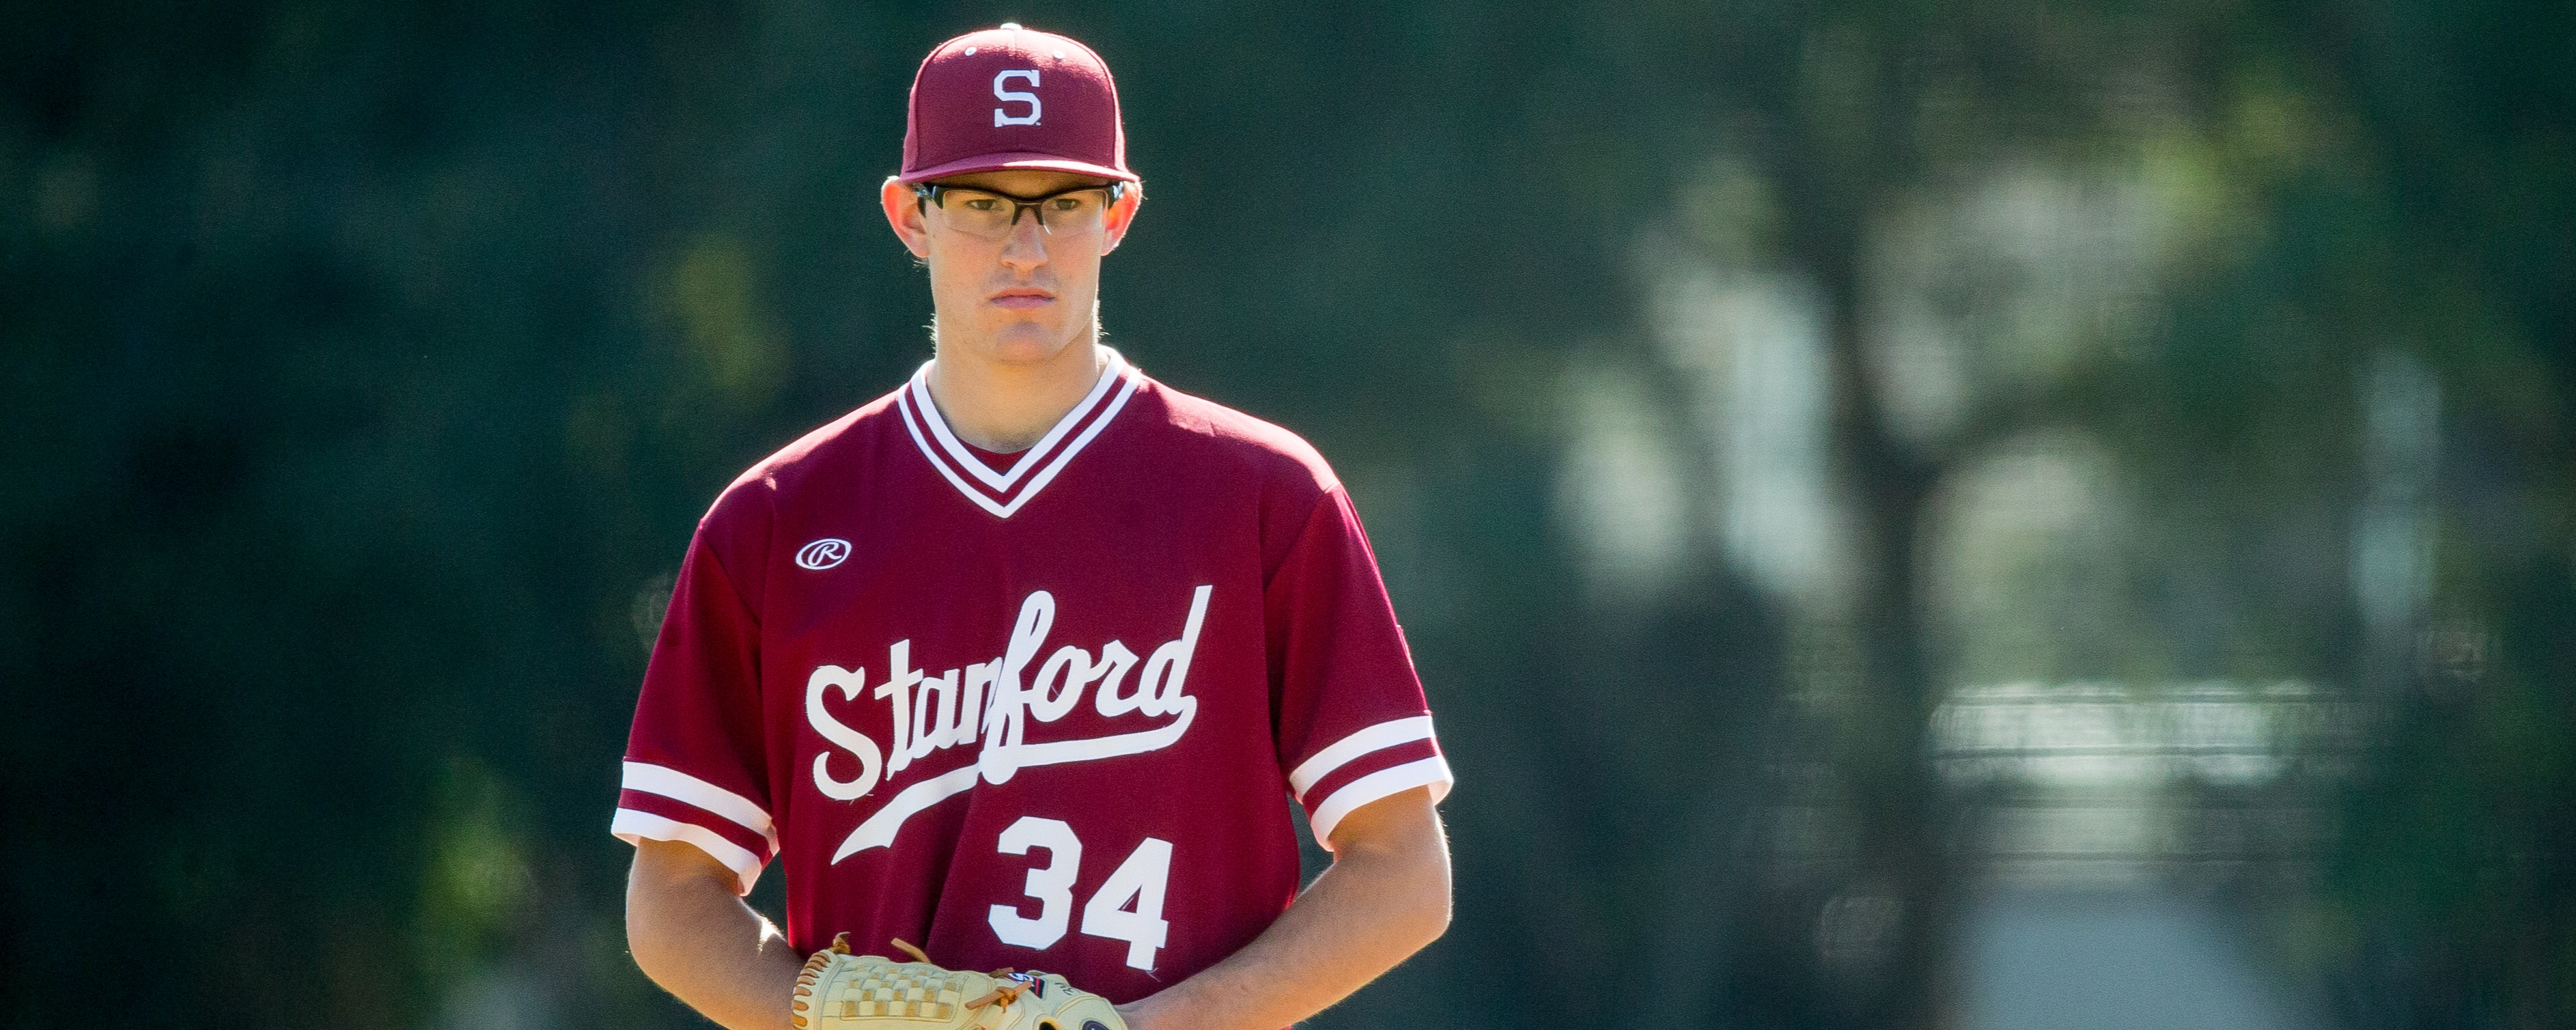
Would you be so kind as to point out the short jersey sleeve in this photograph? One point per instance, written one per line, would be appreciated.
(1352, 725)
(694, 759)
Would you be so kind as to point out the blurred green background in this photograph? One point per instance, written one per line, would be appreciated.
(1980, 514)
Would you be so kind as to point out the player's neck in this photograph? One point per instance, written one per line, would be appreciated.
(1008, 407)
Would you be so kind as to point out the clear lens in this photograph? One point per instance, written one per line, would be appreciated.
(1076, 212)
(990, 215)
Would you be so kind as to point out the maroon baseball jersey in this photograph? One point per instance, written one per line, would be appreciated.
(1036, 710)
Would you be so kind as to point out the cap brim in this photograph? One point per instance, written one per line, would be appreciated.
(1016, 162)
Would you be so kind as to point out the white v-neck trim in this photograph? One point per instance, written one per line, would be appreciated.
(1002, 493)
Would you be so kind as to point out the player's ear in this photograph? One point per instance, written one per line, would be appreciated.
(1121, 215)
(903, 213)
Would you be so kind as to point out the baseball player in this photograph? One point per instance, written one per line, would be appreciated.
(1018, 666)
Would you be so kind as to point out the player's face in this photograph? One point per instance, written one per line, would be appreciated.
(1018, 292)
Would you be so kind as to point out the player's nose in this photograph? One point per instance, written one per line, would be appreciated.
(1025, 247)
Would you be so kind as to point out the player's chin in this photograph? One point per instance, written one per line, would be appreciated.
(1031, 340)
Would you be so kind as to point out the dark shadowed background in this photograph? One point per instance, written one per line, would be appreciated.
(1977, 514)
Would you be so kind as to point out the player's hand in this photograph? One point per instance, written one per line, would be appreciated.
(842, 991)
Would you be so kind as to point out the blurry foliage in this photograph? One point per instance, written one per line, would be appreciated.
(367, 366)
(475, 878)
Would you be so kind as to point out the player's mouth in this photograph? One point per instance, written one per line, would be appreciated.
(1023, 297)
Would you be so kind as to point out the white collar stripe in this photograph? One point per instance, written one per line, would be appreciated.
(1002, 493)
(1029, 459)
(952, 450)
(972, 494)
(1047, 475)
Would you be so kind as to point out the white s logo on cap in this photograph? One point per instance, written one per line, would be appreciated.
(1006, 95)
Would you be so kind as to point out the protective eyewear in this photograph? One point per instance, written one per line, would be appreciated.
(992, 215)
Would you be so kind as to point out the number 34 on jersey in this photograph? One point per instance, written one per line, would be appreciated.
(1127, 907)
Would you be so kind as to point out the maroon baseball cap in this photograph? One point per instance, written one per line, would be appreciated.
(1013, 98)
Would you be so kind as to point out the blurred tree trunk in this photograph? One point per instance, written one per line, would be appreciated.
(1848, 145)
(1883, 754)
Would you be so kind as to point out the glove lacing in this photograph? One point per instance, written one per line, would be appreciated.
(1003, 993)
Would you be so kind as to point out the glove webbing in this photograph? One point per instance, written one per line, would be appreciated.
(912, 994)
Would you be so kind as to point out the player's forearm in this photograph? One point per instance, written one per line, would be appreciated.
(1382, 900)
(692, 935)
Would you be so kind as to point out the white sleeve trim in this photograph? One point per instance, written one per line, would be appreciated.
(1375, 738)
(1430, 772)
(632, 826)
(679, 786)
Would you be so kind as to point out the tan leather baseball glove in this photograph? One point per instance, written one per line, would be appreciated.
(842, 991)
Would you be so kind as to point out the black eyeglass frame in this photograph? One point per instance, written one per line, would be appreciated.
(932, 193)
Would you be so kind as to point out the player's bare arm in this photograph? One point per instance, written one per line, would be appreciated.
(1384, 898)
(694, 936)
